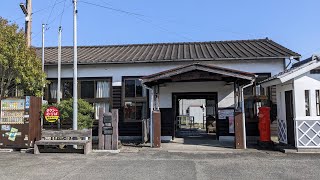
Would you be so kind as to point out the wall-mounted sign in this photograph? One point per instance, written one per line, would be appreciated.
(51, 114)
(12, 111)
(224, 113)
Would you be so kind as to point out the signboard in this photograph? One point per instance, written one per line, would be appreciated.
(27, 102)
(12, 111)
(224, 113)
(51, 114)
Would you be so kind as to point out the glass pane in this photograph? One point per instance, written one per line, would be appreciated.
(129, 88)
(318, 102)
(103, 89)
(129, 111)
(87, 89)
(139, 88)
(248, 91)
(67, 89)
(97, 106)
(307, 102)
(53, 90)
(141, 110)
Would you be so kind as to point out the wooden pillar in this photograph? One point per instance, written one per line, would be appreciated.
(156, 129)
(239, 131)
(115, 134)
(108, 138)
(100, 135)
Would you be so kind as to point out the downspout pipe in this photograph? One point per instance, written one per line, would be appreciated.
(151, 111)
(243, 114)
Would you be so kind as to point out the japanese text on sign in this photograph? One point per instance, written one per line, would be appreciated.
(51, 114)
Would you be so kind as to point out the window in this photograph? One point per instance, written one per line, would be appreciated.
(133, 88)
(318, 102)
(307, 102)
(95, 91)
(67, 89)
(87, 89)
(254, 97)
(135, 100)
(135, 111)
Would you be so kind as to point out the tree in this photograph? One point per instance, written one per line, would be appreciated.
(19, 66)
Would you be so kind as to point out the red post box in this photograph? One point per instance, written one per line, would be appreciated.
(264, 124)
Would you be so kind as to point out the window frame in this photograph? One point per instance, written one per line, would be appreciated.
(135, 99)
(318, 101)
(250, 99)
(89, 100)
(307, 102)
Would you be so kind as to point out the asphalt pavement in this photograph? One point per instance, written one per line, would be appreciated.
(151, 164)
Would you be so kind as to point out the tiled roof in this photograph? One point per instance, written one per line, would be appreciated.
(224, 72)
(162, 52)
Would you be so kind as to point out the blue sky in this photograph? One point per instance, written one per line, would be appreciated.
(292, 23)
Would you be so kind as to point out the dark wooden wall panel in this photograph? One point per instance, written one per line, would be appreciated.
(167, 121)
(125, 128)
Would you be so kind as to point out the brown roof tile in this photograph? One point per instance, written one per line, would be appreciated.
(160, 52)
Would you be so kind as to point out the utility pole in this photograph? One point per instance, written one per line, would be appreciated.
(27, 11)
(59, 72)
(75, 68)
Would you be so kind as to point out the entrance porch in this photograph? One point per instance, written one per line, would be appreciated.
(220, 89)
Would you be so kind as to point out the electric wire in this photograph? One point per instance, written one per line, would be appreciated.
(51, 11)
(37, 11)
(53, 20)
(110, 8)
(139, 17)
(64, 5)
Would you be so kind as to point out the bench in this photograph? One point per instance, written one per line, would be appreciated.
(65, 137)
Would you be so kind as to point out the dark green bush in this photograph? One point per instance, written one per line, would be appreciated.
(85, 112)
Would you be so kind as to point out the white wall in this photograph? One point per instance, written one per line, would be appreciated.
(225, 92)
(304, 82)
(116, 71)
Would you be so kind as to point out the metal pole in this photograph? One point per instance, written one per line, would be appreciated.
(75, 68)
(42, 64)
(243, 120)
(59, 72)
(151, 116)
(43, 28)
(243, 114)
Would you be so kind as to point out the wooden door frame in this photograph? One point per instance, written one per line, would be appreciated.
(191, 95)
(291, 127)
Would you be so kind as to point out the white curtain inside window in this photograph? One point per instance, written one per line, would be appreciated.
(97, 106)
(53, 90)
(103, 89)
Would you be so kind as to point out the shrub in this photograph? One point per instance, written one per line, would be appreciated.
(85, 112)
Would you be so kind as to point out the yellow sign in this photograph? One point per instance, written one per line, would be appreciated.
(52, 119)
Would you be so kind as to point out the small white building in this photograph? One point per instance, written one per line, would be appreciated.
(298, 103)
